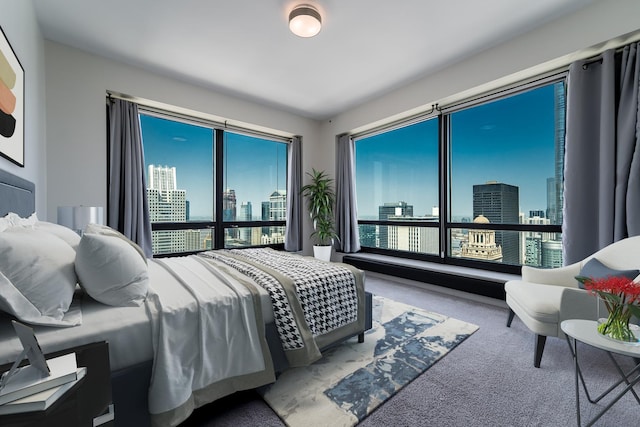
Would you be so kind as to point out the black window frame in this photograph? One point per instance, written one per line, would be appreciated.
(218, 225)
(444, 225)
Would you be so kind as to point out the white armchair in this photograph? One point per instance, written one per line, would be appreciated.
(546, 297)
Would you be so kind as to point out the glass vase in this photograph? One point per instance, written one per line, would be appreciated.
(616, 325)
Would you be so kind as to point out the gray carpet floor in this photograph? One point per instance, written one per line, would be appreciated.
(488, 380)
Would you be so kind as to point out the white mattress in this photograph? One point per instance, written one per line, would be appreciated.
(126, 329)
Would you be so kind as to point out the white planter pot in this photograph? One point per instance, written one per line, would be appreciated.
(322, 252)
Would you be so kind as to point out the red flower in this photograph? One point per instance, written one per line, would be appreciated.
(625, 288)
(620, 294)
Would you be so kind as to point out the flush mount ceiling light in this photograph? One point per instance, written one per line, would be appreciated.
(305, 21)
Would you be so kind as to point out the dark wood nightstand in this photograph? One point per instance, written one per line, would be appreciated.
(88, 403)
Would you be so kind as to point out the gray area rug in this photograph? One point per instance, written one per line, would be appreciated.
(353, 379)
(489, 380)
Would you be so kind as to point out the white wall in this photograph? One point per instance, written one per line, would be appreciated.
(76, 120)
(600, 22)
(18, 21)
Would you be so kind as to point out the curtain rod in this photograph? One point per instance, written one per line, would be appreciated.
(598, 58)
(508, 89)
(586, 64)
(405, 121)
(217, 122)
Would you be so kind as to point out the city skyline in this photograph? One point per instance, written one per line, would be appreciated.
(232, 209)
(493, 203)
(168, 203)
(254, 167)
(498, 141)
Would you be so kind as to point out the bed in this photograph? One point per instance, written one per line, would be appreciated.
(267, 308)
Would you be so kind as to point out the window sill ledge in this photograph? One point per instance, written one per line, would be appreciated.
(480, 282)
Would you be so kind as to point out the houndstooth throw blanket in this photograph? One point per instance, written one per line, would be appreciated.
(310, 298)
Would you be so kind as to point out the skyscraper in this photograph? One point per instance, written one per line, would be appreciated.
(416, 238)
(193, 240)
(245, 215)
(391, 209)
(229, 205)
(166, 204)
(552, 254)
(277, 212)
(368, 235)
(394, 209)
(533, 250)
(534, 240)
(559, 111)
(229, 213)
(555, 187)
(499, 203)
(265, 217)
(552, 200)
(537, 213)
(278, 205)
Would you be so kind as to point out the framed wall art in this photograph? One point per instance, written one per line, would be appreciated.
(11, 104)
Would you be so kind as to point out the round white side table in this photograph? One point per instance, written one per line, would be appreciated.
(585, 331)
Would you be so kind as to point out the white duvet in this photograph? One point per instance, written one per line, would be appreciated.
(203, 331)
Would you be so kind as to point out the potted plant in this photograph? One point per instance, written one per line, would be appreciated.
(321, 200)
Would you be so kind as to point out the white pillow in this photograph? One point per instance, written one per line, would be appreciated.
(4, 224)
(112, 269)
(16, 304)
(12, 219)
(68, 235)
(38, 267)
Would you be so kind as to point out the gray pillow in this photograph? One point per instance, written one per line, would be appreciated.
(112, 269)
(594, 269)
(38, 278)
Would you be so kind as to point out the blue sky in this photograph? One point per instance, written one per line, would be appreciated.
(255, 168)
(401, 165)
(509, 141)
(190, 149)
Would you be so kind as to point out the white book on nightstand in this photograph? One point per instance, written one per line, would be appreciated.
(29, 380)
(42, 400)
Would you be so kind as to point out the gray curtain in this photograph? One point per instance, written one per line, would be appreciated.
(293, 231)
(602, 153)
(128, 210)
(346, 203)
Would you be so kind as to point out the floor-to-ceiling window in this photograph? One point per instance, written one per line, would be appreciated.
(212, 188)
(254, 190)
(506, 167)
(397, 188)
(482, 180)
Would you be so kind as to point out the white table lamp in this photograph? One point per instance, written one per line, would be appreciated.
(78, 217)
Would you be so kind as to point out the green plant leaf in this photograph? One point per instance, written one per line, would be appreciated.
(321, 199)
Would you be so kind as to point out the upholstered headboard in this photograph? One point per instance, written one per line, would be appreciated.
(16, 195)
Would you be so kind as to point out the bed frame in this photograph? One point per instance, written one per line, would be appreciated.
(130, 385)
(16, 195)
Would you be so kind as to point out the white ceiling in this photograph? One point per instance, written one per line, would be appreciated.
(244, 48)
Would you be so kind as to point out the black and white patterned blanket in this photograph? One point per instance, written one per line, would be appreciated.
(326, 294)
